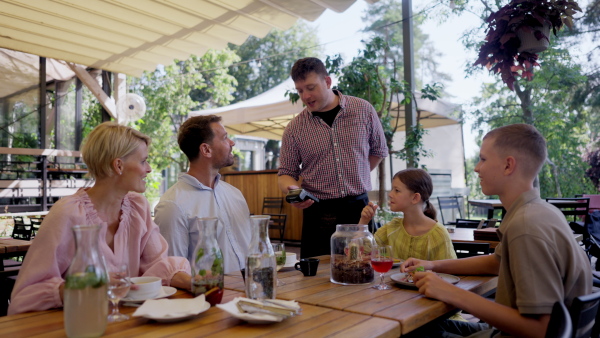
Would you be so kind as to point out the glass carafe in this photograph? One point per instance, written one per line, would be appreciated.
(351, 254)
(207, 268)
(85, 293)
(260, 264)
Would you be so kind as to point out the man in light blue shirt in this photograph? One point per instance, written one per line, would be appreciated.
(201, 193)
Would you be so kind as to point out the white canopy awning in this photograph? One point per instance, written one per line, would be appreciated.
(19, 72)
(267, 114)
(131, 36)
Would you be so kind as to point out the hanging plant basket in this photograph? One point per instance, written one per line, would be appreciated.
(520, 30)
(534, 39)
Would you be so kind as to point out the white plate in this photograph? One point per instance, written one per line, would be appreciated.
(255, 318)
(172, 319)
(397, 277)
(166, 291)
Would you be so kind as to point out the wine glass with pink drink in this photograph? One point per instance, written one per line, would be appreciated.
(382, 261)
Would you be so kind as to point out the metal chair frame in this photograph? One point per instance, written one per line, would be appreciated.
(277, 222)
(464, 249)
(449, 203)
(584, 312)
(560, 325)
(275, 203)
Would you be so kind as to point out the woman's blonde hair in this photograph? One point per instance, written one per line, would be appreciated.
(109, 141)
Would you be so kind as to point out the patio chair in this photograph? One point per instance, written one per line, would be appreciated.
(272, 205)
(18, 220)
(22, 231)
(575, 209)
(35, 225)
(584, 311)
(474, 223)
(464, 249)
(560, 325)
(7, 282)
(277, 222)
(449, 203)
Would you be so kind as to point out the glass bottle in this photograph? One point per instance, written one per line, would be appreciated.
(207, 268)
(260, 264)
(351, 255)
(85, 293)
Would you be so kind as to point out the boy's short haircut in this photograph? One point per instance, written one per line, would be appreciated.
(195, 131)
(304, 66)
(524, 142)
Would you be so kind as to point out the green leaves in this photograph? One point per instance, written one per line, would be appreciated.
(82, 280)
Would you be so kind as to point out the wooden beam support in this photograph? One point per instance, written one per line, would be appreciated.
(107, 102)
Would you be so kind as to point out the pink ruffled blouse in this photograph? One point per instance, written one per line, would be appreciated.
(137, 242)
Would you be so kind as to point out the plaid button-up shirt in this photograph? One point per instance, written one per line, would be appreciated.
(333, 161)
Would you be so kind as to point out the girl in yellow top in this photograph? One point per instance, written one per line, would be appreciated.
(418, 234)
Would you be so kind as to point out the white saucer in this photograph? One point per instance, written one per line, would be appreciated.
(165, 291)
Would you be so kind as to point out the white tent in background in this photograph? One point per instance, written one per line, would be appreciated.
(267, 114)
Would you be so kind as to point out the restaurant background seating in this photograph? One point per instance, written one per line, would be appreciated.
(277, 222)
(584, 311)
(560, 325)
(22, 231)
(591, 237)
(272, 205)
(594, 201)
(18, 220)
(474, 223)
(35, 225)
(7, 283)
(575, 209)
(451, 203)
(464, 249)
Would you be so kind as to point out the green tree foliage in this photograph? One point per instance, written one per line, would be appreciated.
(548, 103)
(384, 20)
(266, 62)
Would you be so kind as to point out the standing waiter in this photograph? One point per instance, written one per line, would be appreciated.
(333, 144)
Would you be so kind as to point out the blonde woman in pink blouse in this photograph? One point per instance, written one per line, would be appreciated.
(116, 157)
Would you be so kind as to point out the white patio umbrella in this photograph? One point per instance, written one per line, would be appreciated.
(267, 114)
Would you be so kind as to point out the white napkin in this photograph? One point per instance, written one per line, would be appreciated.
(232, 308)
(172, 308)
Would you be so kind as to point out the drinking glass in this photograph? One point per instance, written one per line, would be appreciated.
(118, 287)
(382, 261)
(280, 258)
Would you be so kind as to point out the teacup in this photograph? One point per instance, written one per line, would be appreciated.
(290, 258)
(147, 287)
(308, 266)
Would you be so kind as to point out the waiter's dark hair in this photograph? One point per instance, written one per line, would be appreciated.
(304, 66)
(419, 181)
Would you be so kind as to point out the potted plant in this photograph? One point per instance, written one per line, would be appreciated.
(520, 30)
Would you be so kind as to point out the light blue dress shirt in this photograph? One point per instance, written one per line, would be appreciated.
(177, 212)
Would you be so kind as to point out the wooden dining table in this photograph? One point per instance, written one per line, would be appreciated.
(402, 304)
(466, 235)
(10, 247)
(315, 321)
(490, 206)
